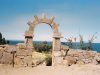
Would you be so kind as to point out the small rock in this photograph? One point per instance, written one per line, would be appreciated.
(94, 62)
(80, 62)
(70, 60)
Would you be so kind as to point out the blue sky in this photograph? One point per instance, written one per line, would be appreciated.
(73, 16)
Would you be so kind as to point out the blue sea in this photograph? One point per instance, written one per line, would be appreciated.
(96, 46)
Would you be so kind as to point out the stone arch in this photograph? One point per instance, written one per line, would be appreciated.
(29, 34)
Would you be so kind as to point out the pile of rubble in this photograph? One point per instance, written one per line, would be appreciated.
(81, 57)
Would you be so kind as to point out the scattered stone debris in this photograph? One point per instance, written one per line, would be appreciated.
(82, 57)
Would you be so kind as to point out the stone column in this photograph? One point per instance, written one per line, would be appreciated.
(29, 39)
(56, 53)
(25, 55)
(29, 42)
(56, 43)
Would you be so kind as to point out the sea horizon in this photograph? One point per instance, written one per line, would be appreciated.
(96, 46)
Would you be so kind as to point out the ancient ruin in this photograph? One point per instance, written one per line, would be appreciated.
(21, 54)
(29, 35)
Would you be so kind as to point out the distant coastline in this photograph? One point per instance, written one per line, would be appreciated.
(96, 46)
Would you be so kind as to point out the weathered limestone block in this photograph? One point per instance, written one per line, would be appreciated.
(6, 58)
(94, 62)
(1, 55)
(57, 53)
(58, 61)
(20, 56)
(23, 52)
(71, 52)
(89, 54)
(65, 63)
(3, 46)
(70, 60)
(0, 48)
(5, 54)
(27, 61)
(76, 55)
(45, 20)
(97, 56)
(28, 33)
(23, 57)
(19, 61)
(93, 52)
(23, 61)
(36, 19)
(36, 22)
(80, 62)
(51, 20)
(81, 57)
(28, 42)
(86, 61)
(9, 49)
(21, 46)
(56, 44)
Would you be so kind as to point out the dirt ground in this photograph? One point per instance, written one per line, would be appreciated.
(49, 70)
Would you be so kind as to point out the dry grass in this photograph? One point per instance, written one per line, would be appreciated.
(38, 58)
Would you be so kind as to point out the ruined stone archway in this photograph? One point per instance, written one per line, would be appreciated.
(29, 34)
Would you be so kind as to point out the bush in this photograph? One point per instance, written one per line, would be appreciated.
(48, 60)
(42, 47)
(2, 40)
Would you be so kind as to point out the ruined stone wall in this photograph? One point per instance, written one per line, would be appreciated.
(5, 55)
(81, 57)
(12, 55)
(23, 57)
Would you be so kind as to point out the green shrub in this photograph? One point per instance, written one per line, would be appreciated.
(48, 60)
(42, 47)
(2, 40)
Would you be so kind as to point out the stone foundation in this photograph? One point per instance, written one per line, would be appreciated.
(15, 56)
(23, 57)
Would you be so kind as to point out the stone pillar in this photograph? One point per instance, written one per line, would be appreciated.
(56, 44)
(56, 53)
(29, 39)
(29, 42)
(24, 56)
